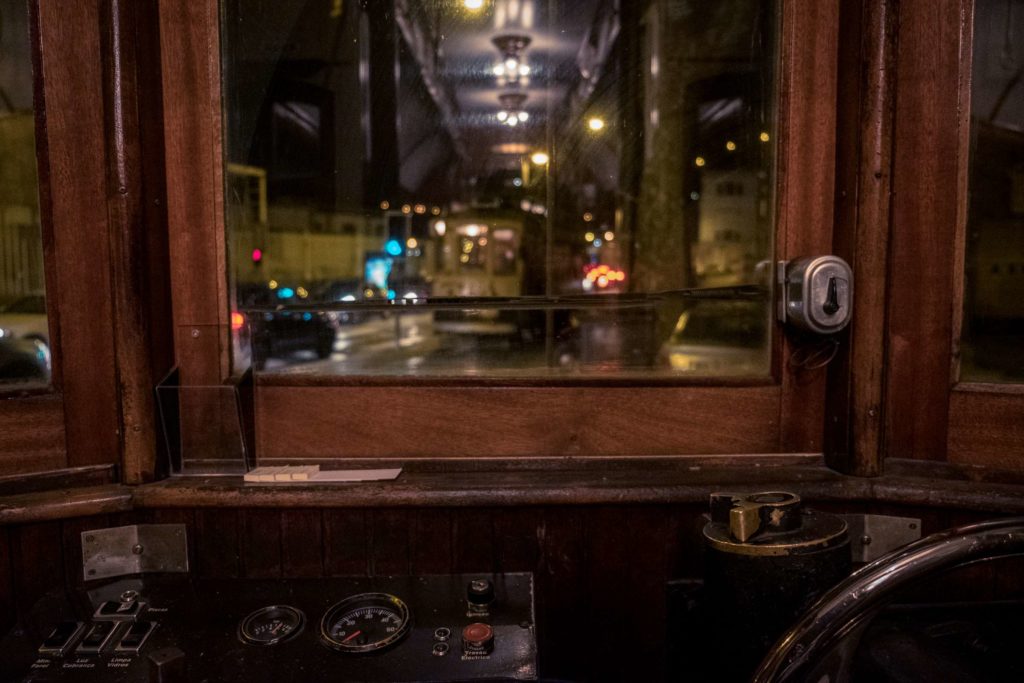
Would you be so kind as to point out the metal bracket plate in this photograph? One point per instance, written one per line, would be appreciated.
(136, 549)
(872, 536)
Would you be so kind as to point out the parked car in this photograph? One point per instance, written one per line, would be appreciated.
(24, 360)
(25, 318)
(276, 332)
(343, 291)
(719, 338)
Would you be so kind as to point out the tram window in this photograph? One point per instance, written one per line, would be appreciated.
(24, 331)
(505, 252)
(573, 169)
(992, 348)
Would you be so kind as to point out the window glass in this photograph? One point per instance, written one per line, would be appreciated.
(24, 333)
(993, 331)
(500, 187)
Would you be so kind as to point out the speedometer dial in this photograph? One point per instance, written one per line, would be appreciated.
(271, 625)
(369, 622)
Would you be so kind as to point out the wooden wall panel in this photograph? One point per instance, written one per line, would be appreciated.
(561, 595)
(32, 435)
(302, 543)
(430, 541)
(218, 543)
(986, 426)
(260, 545)
(8, 609)
(389, 542)
(346, 542)
(330, 422)
(37, 561)
(473, 540)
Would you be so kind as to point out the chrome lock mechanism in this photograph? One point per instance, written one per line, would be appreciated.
(816, 294)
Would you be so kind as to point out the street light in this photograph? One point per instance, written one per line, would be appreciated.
(540, 158)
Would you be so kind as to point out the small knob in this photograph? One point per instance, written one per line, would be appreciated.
(480, 592)
(478, 639)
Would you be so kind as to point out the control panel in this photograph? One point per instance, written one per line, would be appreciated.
(172, 629)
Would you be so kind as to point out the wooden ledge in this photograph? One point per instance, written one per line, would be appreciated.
(642, 481)
(41, 506)
(647, 481)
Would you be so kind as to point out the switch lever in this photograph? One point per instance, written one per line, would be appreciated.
(831, 305)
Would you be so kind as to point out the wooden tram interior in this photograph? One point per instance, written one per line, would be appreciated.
(596, 488)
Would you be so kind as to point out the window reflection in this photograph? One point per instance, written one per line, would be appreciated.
(24, 334)
(993, 331)
(588, 156)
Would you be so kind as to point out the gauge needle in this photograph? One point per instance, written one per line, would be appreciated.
(351, 636)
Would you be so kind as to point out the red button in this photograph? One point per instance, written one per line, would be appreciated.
(477, 635)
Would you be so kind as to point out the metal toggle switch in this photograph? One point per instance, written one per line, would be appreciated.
(816, 294)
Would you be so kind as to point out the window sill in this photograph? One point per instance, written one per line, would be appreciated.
(651, 481)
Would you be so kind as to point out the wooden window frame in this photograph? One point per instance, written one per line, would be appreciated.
(101, 211)
(331, 419)
(932, 414)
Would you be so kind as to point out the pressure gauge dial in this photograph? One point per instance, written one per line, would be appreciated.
(365, 623)
(271, 625)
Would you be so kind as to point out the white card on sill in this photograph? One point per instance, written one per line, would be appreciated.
(310, 473)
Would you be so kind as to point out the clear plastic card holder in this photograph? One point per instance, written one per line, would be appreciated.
(203, 430)
(207, 428)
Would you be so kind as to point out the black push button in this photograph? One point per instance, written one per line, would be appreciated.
(135, 636)
(61, 638)
(96, 637)
(118, 610)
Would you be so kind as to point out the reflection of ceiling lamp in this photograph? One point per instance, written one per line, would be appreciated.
(512, 113)
(512, 69)
(513, 13)
(511, 44)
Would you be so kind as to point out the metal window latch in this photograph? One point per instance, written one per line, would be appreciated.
(815, 294)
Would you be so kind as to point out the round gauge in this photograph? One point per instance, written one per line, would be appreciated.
(368, 622)
(271, 625)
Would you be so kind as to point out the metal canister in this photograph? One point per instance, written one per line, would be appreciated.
(767, 561)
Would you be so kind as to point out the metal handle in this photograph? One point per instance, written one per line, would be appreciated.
(847, 606)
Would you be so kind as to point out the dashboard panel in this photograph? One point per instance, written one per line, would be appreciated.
(171, 628)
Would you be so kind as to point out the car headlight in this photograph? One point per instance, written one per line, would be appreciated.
(5, 333)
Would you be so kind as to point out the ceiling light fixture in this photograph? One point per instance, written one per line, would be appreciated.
(512, 113)
(512, 70)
